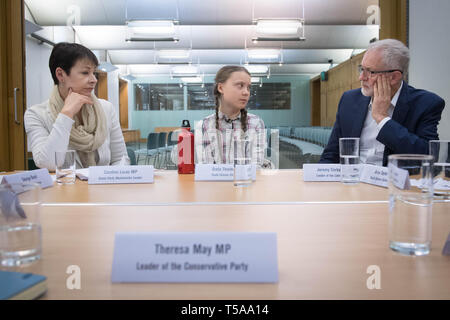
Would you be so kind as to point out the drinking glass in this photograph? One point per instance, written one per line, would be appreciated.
(65, 167)
(20, 227)
(410, 203)
(242, 162)
(349, 157)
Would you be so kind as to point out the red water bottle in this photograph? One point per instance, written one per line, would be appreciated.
(186, 149)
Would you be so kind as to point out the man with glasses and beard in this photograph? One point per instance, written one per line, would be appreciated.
(387, 114)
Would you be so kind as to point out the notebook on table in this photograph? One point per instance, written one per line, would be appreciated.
(21, 286)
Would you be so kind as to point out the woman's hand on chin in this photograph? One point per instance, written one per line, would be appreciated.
(73, 103)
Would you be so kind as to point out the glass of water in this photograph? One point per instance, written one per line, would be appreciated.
(65, 167)
(242, 162)
(410, 203)
(440, 150)
(349, 156)
(20, 227)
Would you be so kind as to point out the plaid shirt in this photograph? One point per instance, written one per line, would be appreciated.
(217, 146)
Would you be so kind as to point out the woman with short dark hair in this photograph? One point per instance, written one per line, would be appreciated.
(73, 118)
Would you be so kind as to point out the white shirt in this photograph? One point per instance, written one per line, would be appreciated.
(45, 136)
(370, 149)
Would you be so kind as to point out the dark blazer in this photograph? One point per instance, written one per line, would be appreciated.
(414, 122)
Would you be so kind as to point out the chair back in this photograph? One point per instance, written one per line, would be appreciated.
(152, 140)
(169, 137)
(162, 139)
(132, 156)
(174, 138)
(269, 142)
(31, 164)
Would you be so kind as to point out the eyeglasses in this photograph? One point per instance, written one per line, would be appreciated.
(371, 73)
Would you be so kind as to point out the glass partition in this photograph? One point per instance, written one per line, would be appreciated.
(158, 96)
(282, 102)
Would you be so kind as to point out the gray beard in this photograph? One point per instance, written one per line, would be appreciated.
(363, 93)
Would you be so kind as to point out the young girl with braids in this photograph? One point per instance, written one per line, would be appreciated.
(231, 121)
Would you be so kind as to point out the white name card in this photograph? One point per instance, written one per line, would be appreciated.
(40, 176)
(221, 172)
(441, 184)
(195, 257)
(321, 172)
(399, 177)
(375, 175)
(120, 174)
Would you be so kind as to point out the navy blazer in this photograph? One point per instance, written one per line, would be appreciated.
(414, 122)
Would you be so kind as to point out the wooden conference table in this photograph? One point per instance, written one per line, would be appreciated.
(328, 235)
(272, 186)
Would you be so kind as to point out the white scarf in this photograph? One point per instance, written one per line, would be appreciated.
(85, 138)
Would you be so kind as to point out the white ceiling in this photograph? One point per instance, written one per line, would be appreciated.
(218, 31)
(201, 12)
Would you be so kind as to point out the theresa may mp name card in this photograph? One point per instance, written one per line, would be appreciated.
(195, 257)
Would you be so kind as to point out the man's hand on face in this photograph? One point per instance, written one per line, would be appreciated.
(381, 98)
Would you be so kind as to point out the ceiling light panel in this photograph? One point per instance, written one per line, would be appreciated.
(192, 79)
(174, 54)
(273, 27)
(152, 27)
(257, 69)
(184, 70)
(263, 53)
(136, 69)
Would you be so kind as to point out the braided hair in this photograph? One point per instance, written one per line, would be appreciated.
(222, 75)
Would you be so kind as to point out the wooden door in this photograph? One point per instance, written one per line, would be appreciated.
(12, 86)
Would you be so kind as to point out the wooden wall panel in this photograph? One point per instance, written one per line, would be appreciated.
(166, 129)
(16, 72)
(315, 101)
(131, 135)
(123, 103)
(101, 90)
(340, 79)
(355, 62)
(323, 103)
(4, 133)
(393, 22)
